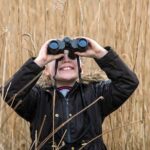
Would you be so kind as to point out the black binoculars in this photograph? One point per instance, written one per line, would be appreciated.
(58, 46)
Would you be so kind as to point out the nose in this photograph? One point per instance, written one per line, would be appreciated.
(66, 55)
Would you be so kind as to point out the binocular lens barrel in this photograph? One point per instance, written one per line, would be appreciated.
(83, 43)
(54, 45)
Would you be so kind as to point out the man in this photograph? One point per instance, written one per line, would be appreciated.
(35, 104)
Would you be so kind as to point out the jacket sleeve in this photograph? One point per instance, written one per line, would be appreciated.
(121, 84)
(20, 92)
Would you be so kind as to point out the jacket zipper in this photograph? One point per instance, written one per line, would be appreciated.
(67, 116)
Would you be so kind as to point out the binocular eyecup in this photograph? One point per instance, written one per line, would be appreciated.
(76, 45)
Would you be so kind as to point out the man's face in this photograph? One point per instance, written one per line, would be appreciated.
(67, 71)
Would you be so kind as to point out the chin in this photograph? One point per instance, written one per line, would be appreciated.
(67, 79)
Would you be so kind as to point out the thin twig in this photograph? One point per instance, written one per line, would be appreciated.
(82, 20)
(32, 145)
(26, 86)
(41, 127)
(106, 132)
(61, 140)
(36, 142)
(30, 36)
(54, 98)
(10, 114)
(4, 73)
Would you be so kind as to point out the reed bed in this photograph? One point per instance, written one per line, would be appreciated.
(124, 25)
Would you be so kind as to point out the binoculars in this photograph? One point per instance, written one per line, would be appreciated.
(76, 45)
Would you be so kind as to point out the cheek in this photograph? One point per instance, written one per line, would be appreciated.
(78, 69)
(52, 72)
(49, 70)
(52, 67)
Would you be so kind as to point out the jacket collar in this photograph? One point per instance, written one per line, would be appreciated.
(51, 88)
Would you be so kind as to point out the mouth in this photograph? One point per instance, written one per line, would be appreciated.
(66, 68)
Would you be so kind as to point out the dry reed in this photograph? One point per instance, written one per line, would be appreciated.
(125, 25)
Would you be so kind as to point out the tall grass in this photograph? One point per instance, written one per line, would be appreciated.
(124, 25)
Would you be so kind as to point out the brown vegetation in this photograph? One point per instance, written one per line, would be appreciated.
(122, 24)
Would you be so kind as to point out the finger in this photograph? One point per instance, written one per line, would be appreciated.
(45, 45)
(81, 54)
(90, 41)
(58, 56)
(54, 57)
(87, 38)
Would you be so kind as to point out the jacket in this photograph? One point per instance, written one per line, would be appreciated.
(35, 104)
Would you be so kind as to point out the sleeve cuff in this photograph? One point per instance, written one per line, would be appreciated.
(33, 66)
(108, 58)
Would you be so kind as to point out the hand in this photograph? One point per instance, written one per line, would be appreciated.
(43, 58)
(94, 50)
